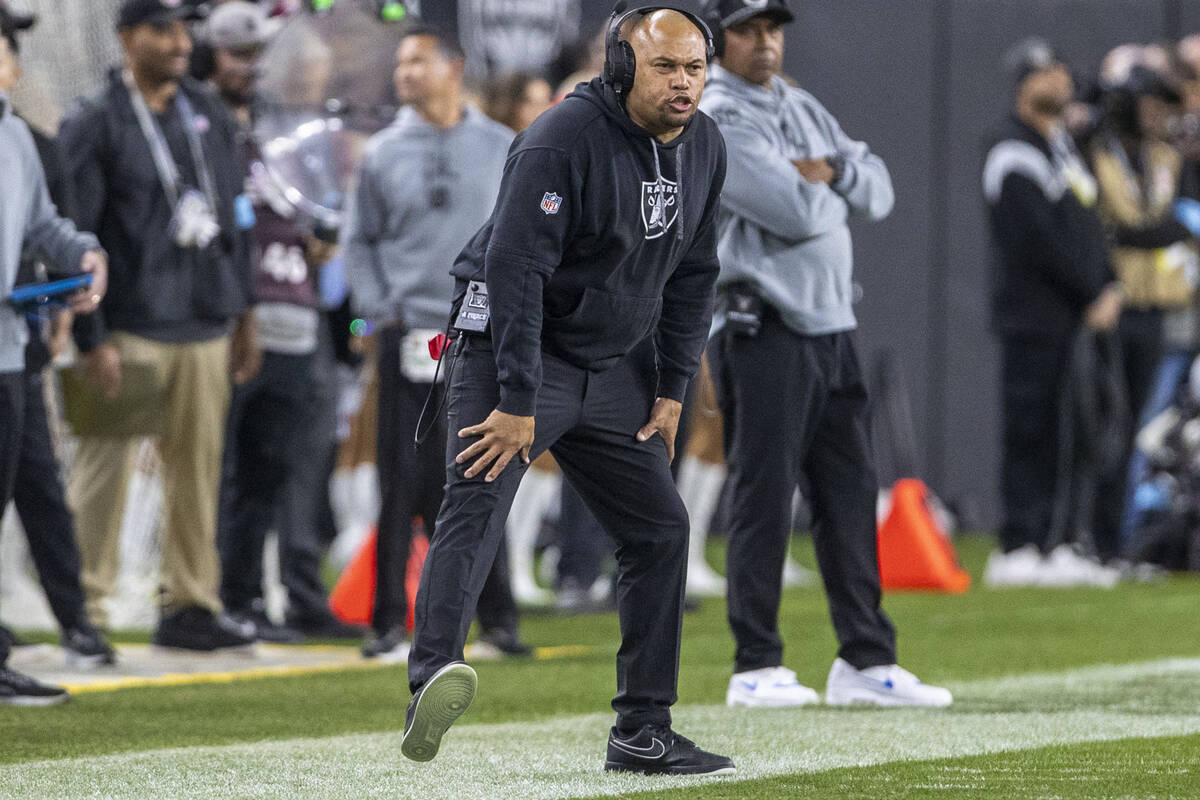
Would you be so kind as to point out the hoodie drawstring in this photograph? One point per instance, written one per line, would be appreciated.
(660, 195)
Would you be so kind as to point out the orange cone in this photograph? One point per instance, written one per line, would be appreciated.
(412, 578)
(353, 597)
(914, 553)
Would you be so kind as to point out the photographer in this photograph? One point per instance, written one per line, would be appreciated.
(270, 413)
(157, 173)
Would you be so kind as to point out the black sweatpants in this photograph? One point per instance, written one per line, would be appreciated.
(267, 419)
(12, 413)
(411, 485)
(1031, 379)
(795, 406)
(589, 421)
(41, 504)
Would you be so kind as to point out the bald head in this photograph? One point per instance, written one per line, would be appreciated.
(671, 56)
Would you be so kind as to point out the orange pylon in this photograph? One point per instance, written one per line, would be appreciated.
(914, 553)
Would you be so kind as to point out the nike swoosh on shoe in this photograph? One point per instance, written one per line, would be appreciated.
(655, 751)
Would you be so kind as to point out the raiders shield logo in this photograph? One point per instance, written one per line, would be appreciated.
(660, 206)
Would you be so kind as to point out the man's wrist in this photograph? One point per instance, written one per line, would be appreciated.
(837, 162)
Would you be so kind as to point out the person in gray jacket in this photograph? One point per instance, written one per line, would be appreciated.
(426, 185)
(30, 222)
(787, 374)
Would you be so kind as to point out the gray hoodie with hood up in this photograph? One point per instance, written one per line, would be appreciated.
(779, 233)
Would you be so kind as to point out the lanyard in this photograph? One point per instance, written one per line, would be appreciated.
(164, 162)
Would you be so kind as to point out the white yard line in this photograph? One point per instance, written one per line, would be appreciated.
(562, 757)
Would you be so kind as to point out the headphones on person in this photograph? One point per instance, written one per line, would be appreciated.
(620, 64)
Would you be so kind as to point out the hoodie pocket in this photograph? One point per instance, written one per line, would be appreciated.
(603, 327)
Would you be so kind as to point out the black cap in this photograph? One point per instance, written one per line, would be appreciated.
(727, 13)
(153, 12)
(1027, 57)
(1145, 82)
(12, 22)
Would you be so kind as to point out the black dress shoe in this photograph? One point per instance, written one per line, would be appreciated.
(658, 750)
(198, 629)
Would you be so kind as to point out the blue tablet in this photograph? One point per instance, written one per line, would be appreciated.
(40, 294)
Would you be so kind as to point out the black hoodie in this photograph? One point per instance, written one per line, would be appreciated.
(601, 236)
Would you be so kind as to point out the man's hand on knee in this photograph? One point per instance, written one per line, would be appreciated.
(503, 436)
(664, 420)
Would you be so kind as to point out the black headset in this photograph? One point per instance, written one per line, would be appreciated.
(620, 64)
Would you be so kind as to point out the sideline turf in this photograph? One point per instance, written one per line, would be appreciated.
(977, 635)
(1161, 768)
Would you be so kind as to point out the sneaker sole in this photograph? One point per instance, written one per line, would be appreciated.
(248, 650)
(80, 661)
(618, 766)
(443, 700)
(867, 698)
(742, 701)
(34, 702)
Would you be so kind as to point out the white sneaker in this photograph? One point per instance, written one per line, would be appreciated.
(880, 686)
(704, 581)
(1021, 567)
(1064, 566)
(769, 687)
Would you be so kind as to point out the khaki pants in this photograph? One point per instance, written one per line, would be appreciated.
(196, 381)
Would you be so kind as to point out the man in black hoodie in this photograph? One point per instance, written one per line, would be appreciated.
(600, 260)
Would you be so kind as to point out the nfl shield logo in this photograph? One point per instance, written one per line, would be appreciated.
(550, 203)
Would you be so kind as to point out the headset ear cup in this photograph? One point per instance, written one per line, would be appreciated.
(627, 66)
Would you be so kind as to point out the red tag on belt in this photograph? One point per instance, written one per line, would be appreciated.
(438, 345)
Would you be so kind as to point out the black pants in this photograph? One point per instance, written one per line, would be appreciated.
(795, 406)
(267, 420)
(12, 413)
(1140, 336)
(41, 504)
(583, 544)
(589, 422)
(1031, 378)
(411, 485)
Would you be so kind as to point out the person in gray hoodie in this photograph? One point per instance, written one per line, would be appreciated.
(29, 222)
(426, 185)
(787, 374)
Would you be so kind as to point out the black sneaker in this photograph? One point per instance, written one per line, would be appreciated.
(501, 642)
(86, 648)
(390, 648)
(17, 689)
(327, 627)
(658, 750)
(200, 630)
(434, 708)
(264, 629)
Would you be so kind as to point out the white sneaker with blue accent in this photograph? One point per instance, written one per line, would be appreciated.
(890, 685)
(769, 687)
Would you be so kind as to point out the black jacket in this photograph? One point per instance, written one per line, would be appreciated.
(600, 237)
(1051, 253)
(156, 288)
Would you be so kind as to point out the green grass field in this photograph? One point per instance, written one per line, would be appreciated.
(1081, 693)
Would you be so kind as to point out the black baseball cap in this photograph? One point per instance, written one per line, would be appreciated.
(727, 13)
(153, 12)
(1030, 56)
